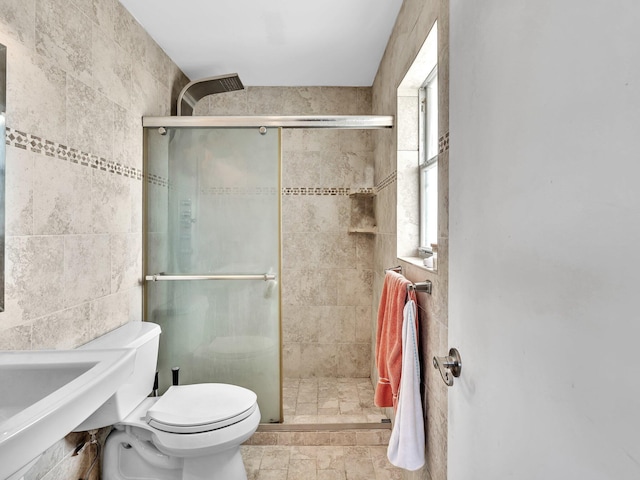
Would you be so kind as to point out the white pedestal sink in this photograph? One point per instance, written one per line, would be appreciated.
(44, 395)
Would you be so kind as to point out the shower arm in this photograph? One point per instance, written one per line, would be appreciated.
(196, 90)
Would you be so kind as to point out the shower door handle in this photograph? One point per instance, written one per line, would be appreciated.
(164, 277)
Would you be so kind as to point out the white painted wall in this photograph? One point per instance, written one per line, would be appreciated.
(545, 239)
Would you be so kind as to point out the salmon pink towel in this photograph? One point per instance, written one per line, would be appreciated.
(389, 338)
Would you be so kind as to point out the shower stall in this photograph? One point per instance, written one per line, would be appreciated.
(212, 255)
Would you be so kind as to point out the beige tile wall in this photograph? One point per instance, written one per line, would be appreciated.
(80, 75)
(392, 160)
(327, 272)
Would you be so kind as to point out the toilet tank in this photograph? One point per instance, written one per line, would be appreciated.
(144, 337)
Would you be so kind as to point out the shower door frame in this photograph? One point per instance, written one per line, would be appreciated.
(359, 122)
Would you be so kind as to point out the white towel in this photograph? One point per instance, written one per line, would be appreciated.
(406, 445)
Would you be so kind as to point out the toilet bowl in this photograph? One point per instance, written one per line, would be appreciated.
(192, 432)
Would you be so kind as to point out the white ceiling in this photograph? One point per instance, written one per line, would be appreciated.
(272, 43)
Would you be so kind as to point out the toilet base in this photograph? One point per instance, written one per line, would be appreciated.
(127, 458)
(222, 466)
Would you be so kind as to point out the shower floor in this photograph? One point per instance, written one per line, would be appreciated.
(320, 412)
(329, 400)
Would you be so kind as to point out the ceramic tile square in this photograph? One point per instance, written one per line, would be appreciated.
(354, 287)
(128, 32)
(337, 325)
(61, 190)
(111, 203)
(34, 278)
(111, 69)
(64, 36)
(126, 261)
(20, 171)
(87, 268)
(16, 338)
(265, 100)
(18, 20)
(309, 287)
(145, 91)
(108, 313)
(327, 214)
(36, 91)
(89, 119)
(101, 12)
(66, 329)
(275, 459)
(302, 468)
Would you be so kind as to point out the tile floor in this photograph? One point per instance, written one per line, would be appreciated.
(335, 455)
(318, 463)
(329, 400)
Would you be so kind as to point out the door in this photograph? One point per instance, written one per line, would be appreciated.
(213, 257)
(544, 240)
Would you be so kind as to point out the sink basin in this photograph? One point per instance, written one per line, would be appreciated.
(44, 395)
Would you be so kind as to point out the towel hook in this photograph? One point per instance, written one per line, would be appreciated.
(449, 366)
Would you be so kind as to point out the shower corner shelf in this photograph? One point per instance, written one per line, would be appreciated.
(370, 230)
(363, 217)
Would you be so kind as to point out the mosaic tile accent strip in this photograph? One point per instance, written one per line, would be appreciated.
(325, 191)
(365, 191)
(391, 178)
(443, 143)
(289, 191)
(315, 191)
(36, 144)
(157, 180)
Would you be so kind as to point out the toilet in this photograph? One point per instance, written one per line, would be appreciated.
(191, 432)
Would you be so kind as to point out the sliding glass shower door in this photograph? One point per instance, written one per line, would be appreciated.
(212, 260)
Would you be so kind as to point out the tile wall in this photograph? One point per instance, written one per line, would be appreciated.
(327, 275)
(80, 75)
(414, 22)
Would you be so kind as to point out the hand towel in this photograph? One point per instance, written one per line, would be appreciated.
(389, 338)
(406, 445)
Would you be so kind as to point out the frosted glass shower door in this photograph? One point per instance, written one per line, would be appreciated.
(213, 248)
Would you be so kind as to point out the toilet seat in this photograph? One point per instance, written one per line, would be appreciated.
(201, 408)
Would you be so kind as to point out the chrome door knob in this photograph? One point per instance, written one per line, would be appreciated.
(449, 366)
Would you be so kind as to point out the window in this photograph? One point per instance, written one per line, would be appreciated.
(428, 148)
(417, 155)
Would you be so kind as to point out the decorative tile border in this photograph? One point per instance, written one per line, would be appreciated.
(48, 148)
(390, 179)
(286, 191)
(324, 191)
(443, 143)
(35, 144)
(157, 180)
(367, 190)
(321, 191)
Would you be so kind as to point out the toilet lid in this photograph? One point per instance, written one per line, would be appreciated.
(201, 407)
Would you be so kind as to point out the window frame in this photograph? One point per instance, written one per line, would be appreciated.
(428, 156)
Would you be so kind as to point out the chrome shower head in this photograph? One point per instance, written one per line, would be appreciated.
(194, 91)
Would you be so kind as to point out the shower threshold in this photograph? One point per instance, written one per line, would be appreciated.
(322, 427)
(327, 411)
